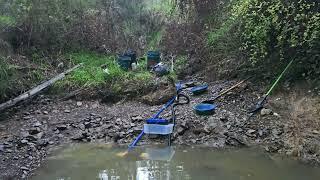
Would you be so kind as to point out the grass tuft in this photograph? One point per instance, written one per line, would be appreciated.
(92, 73)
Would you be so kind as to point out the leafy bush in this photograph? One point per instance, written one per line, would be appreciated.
(271, 32)
(286, 28)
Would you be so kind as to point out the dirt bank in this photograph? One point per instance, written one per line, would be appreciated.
(28, 136)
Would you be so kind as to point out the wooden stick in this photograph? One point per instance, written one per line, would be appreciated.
(225, 91)
(34, 91)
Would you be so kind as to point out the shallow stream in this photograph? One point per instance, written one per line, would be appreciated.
(90, 161)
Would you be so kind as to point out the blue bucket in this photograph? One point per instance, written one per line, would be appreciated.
(124, 62)
(131, 54)
(153, 58)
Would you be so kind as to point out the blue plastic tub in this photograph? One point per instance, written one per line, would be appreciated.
(125, 62)
(158, 129)
(205, 109)
(199, 89)
(132, 54)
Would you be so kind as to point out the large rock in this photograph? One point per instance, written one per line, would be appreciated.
(80, 135)
(42, 142)
(266, 111)
(181, 130)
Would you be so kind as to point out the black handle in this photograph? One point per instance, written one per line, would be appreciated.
(180, 101)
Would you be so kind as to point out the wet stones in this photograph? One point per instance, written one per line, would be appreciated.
(62, 127)
(224, 118)
(78, 136)
(42, 142)
(212, 123)
(276, 133)
(27, 117)
(251, 133)
(79, 103)
(23, 142)
(39, 135)
(37, 124)
(24, 168)
(34, 130)
(235, 140)
(136, 130)
(136, 119)
(181, 130)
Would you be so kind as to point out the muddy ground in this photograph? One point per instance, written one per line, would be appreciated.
(29, 134)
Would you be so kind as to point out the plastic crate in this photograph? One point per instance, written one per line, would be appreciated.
(158, 129)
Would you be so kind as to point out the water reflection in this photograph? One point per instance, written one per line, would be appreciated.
(83, 162)
(156, 165)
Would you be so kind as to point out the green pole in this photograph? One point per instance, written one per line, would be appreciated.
(278, 79)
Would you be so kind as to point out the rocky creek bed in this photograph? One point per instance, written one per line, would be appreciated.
(34, 130)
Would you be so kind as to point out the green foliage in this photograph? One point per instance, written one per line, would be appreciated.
(223, 37)
(287, 28)
(155, 39)
(215, 35)
(269, 32)
(179, 65)
(6, 21)
(90, 74)
(93, 74)
(168, 7)
(181, 61)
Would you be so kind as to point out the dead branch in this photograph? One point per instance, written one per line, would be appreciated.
(34, 91)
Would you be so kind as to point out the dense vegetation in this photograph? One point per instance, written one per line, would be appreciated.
(274, 32)
(254, 34)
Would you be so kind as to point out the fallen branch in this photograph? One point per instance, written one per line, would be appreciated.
(36, 90)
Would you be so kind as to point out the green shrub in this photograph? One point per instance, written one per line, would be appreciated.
(271, 32)
(93, 74)
(285, 28)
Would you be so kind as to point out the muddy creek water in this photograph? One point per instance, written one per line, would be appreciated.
(89, 161)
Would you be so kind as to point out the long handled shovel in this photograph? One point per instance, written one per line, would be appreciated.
(261, 103)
